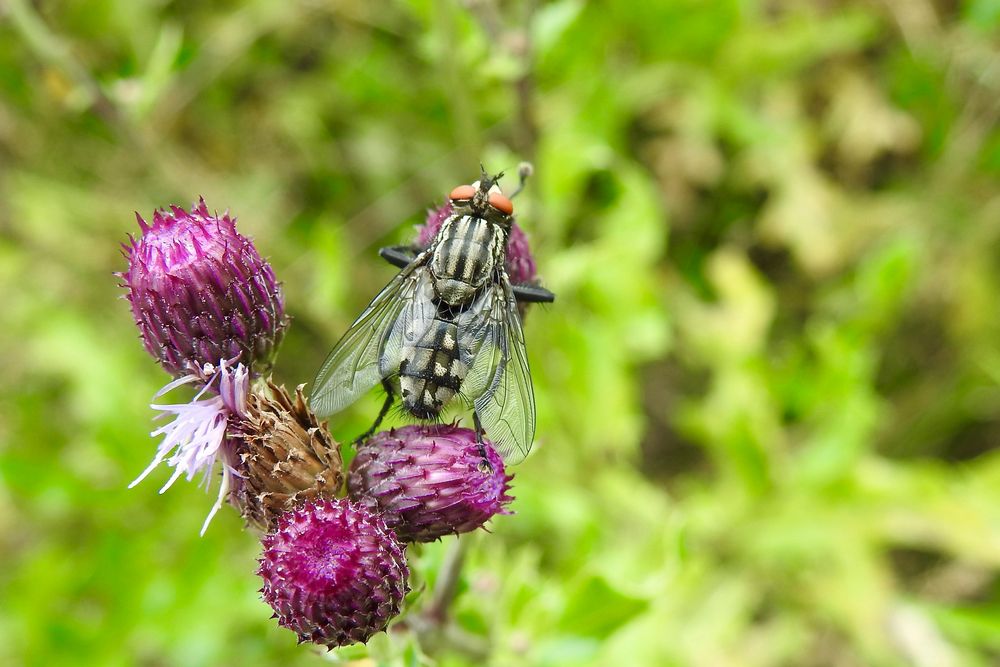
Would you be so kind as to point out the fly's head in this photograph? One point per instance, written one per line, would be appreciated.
(484, 199)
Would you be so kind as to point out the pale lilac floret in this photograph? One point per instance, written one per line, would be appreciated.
(196, 437)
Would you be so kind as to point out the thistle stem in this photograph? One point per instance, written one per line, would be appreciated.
(432, 627)
(447, 583)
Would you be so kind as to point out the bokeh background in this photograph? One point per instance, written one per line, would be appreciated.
(768, 393)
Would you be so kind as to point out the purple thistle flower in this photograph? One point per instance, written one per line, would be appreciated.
(196, 437)
(201, 293)
(333, 572)
(520, 264)
(429, 481)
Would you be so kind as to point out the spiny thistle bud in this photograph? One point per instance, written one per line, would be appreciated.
(520, 264)
(287, 457)
(333, 572)
(429, 481)
(201, 293)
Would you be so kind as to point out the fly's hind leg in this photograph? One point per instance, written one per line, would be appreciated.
(390, 396)
(479, 441)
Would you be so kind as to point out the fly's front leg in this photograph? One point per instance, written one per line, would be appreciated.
(479, 441)
(532, 294)
(398, 255)
(390, 396)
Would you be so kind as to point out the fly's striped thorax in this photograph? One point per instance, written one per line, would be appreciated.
(468, 249)
(431, 372)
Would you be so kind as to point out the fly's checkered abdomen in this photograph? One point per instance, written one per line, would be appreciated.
(431, 372)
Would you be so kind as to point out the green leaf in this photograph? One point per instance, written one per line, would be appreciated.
(595, 609)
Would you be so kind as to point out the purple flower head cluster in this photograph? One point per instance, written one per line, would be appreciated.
(334, 570)
(209, 309)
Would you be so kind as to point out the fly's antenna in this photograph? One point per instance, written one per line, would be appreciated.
(524, 172)
(486, 181)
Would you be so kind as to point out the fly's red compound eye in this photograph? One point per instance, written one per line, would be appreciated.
(462, 192)
(501, 203)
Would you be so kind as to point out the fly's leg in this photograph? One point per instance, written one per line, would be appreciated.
(479, 441)
(532, 294)
(390, 396)
(398, 255)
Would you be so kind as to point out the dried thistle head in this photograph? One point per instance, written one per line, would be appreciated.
(287, 456)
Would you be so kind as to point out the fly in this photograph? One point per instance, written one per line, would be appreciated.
(447, 325)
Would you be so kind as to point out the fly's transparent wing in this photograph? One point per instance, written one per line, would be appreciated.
(478, 330)
(370, 349)
(417, 316)
(499, 380)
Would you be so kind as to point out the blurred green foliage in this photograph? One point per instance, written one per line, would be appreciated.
(768, 393)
